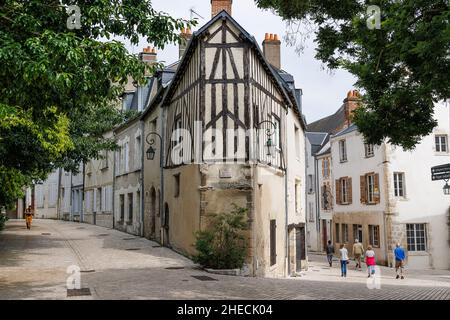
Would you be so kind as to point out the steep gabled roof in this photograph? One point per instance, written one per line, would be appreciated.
(288, 94)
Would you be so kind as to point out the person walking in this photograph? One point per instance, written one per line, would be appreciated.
(358, 251)
(399, 254)
(330, 252)
(343, 257)
(370, 261)
(29, 217)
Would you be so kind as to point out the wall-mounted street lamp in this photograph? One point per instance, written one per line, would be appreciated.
(269, 133)
(446, 188)
(151, 151)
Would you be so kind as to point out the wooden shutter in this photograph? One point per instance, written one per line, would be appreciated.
(376, 183)
(338, 191)
(349, 190)
(363, 189)
(323, 167)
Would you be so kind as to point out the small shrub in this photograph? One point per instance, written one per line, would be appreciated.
(223, 245)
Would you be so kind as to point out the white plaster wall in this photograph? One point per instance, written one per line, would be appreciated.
(425, 201)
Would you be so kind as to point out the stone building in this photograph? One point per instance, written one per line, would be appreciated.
(382, 194)
(46, 197)
(98, 189)
(232, 133)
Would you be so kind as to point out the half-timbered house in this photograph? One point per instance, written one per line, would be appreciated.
(232, 133)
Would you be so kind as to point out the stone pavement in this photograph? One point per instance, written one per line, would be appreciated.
(116, 265)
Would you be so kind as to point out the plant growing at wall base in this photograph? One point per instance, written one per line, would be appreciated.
(223, 245)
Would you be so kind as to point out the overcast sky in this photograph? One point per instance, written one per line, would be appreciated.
(323, 91)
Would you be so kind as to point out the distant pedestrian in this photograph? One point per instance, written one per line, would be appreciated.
(370, 261)
(29, 217)
(358, 251)
(399, 254)
(330, 252)
(343, 257)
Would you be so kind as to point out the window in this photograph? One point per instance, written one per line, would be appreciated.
(297, 142)
(137, 152)
(177, 185)
(399, 184)
(273, 242)
(103, 200)
(344, 191)
(126, 157)
(370, 188)
(39, 190)
(345, 233)
(326, 168)
(109, 198)
(311, 211)
(374, 236)
(297, 197)
(88, 201)
(441, 143)
(130, 207)
(338, 238)
(358, 232)
(98, 203)
(342, 151)
(122, 207)
(310, 183)
(118, 166)
(178, 127)
(138, 201)
(52, 195)
(326, 197)
(416, 237)
(368, 150)
(104, 160)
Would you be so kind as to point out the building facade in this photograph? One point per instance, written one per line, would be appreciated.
(215, 118)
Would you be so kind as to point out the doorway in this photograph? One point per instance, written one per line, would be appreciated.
(166, 240)
(153, 213)
(300, 250)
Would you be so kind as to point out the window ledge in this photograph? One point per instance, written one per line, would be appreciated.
(418, 253)
(401, 198)
(343, 161)
(441, 153)
(367, 157)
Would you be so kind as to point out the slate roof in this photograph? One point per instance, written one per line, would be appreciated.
(317, 140)
(328, 124)
(351, 128)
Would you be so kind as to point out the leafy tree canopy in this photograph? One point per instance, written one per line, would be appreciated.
(59, 86)
(402, 67)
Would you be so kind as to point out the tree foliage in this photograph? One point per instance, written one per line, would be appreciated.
(402, 68)
(59, 86)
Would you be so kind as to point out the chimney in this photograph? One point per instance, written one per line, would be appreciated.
(272, 49)
(350, 104)
(219, 5)
(148, 55)
(185, 35)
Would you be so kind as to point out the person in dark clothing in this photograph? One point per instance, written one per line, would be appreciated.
(330, 252)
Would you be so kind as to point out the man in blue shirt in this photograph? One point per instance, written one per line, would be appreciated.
(399, 260)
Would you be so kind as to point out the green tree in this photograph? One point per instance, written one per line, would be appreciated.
(402, 67)
(59, 86)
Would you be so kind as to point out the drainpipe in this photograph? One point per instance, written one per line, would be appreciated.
(387, 216)
(142, 176)
(306, 197)
(317, 197)
(71, 198)
(58, 209)
(161, 164)
(82, 195)
(114, 187)
(286, 205)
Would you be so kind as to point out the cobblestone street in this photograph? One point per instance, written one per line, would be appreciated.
(115, 265)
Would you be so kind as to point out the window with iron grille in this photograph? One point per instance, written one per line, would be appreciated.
(345, 233)
(416, 237)
(273, 242)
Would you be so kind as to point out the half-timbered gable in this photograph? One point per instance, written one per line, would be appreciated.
(225, 85)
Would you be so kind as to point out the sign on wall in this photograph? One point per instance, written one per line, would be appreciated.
(441, 172)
